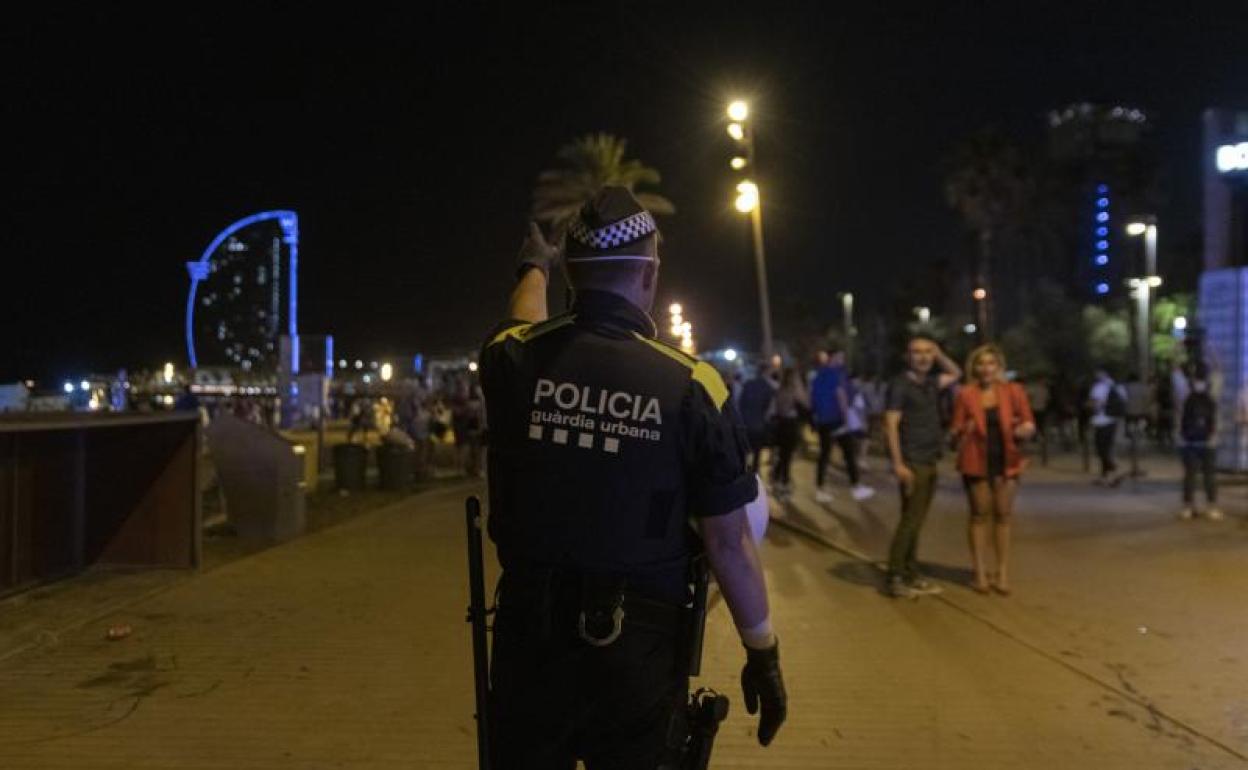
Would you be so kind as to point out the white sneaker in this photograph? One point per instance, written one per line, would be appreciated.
(823, 496)
(1186, 514)
(1214, 514)
(862, 492)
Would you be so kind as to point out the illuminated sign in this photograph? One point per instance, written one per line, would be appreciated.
(1232, 157)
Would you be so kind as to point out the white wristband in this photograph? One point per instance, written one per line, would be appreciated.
(759, 636)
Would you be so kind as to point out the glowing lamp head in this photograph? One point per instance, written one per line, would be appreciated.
(736, 131)
(1137, 228)
(747, 197)
(730, 355)
(69, 387)
(980, 294)
(1180, 323)
(675, 308)
(472, 366)
(387, 371)
(737, 163)
(738, 111)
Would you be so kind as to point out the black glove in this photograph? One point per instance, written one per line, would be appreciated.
(536, 252)
(761, 682)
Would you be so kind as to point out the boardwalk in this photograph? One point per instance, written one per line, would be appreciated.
(1122, 648)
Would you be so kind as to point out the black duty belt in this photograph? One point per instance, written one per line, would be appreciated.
(599, 606)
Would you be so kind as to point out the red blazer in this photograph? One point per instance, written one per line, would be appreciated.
(971, 424)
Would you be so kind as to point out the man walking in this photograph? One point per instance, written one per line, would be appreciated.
(1107, 401)
(754, 404)
(829, 405)
(915, 440)
(1197, 441)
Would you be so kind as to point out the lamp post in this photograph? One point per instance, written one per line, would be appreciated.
(1147, 227)
(847, 318)
(750, 202)
(980, 295)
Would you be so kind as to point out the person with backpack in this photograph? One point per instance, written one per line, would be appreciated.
(1107, 402)
(1198, 423)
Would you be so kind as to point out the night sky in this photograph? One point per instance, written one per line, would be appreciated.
(409, 142)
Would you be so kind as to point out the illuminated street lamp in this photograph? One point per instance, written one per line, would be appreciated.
(1147, 227)
(924, 314)
(980, 295)
(749, 201)
(747, 197)
(168, 373)
(387, 371)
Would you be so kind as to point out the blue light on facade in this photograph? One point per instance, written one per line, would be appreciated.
(1102, 231)
(1102, 203)
(1102, 245)
(1102, 288)
(1102, 217)
(1102, 259)
(1101, 189)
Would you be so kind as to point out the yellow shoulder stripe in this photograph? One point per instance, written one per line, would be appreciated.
(526, 331)
(709, 379)
(702, 373)
(515, 332)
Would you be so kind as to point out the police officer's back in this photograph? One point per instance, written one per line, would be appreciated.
(603, 443)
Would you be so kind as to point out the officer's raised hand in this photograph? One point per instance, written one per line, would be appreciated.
(763, 688)
(536, 252)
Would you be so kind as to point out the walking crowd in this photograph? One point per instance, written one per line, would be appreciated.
(989, 419)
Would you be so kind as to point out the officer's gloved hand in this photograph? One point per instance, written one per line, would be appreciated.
(536, 252)
(761, 683)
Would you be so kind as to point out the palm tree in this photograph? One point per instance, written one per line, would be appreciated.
(990, 186)
(591, 162)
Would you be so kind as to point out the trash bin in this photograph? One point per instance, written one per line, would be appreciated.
(395, 467)
(350, 462)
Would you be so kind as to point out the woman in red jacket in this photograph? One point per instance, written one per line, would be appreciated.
(991, 416)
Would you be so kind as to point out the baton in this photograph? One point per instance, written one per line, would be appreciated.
(477, 614)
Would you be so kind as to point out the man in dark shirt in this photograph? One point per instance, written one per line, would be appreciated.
(915, 440)
(603, 444)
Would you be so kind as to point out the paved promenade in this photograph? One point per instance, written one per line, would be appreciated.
(1123, 646)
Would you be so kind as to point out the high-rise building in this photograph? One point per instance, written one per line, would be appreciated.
(244, 294)
(1105, 171)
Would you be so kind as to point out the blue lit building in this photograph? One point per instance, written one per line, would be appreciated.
(244, 294)
(1108, 168)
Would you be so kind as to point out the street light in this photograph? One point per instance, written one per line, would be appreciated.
(737, 163)
(1147, 227)
(924, 314)
(847, 319)
(747, 197)
(387, 371)
(749, 201)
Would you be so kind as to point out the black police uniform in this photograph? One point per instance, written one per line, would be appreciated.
(603, 443)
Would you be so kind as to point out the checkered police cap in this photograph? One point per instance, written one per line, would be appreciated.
(627, 230)
(613, 226)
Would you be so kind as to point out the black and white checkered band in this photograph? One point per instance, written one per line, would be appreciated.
(626, 230)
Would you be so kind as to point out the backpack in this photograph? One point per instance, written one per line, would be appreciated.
(1115, 404)
(1200, 416)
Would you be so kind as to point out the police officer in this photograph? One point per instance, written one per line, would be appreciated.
(604, 444)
